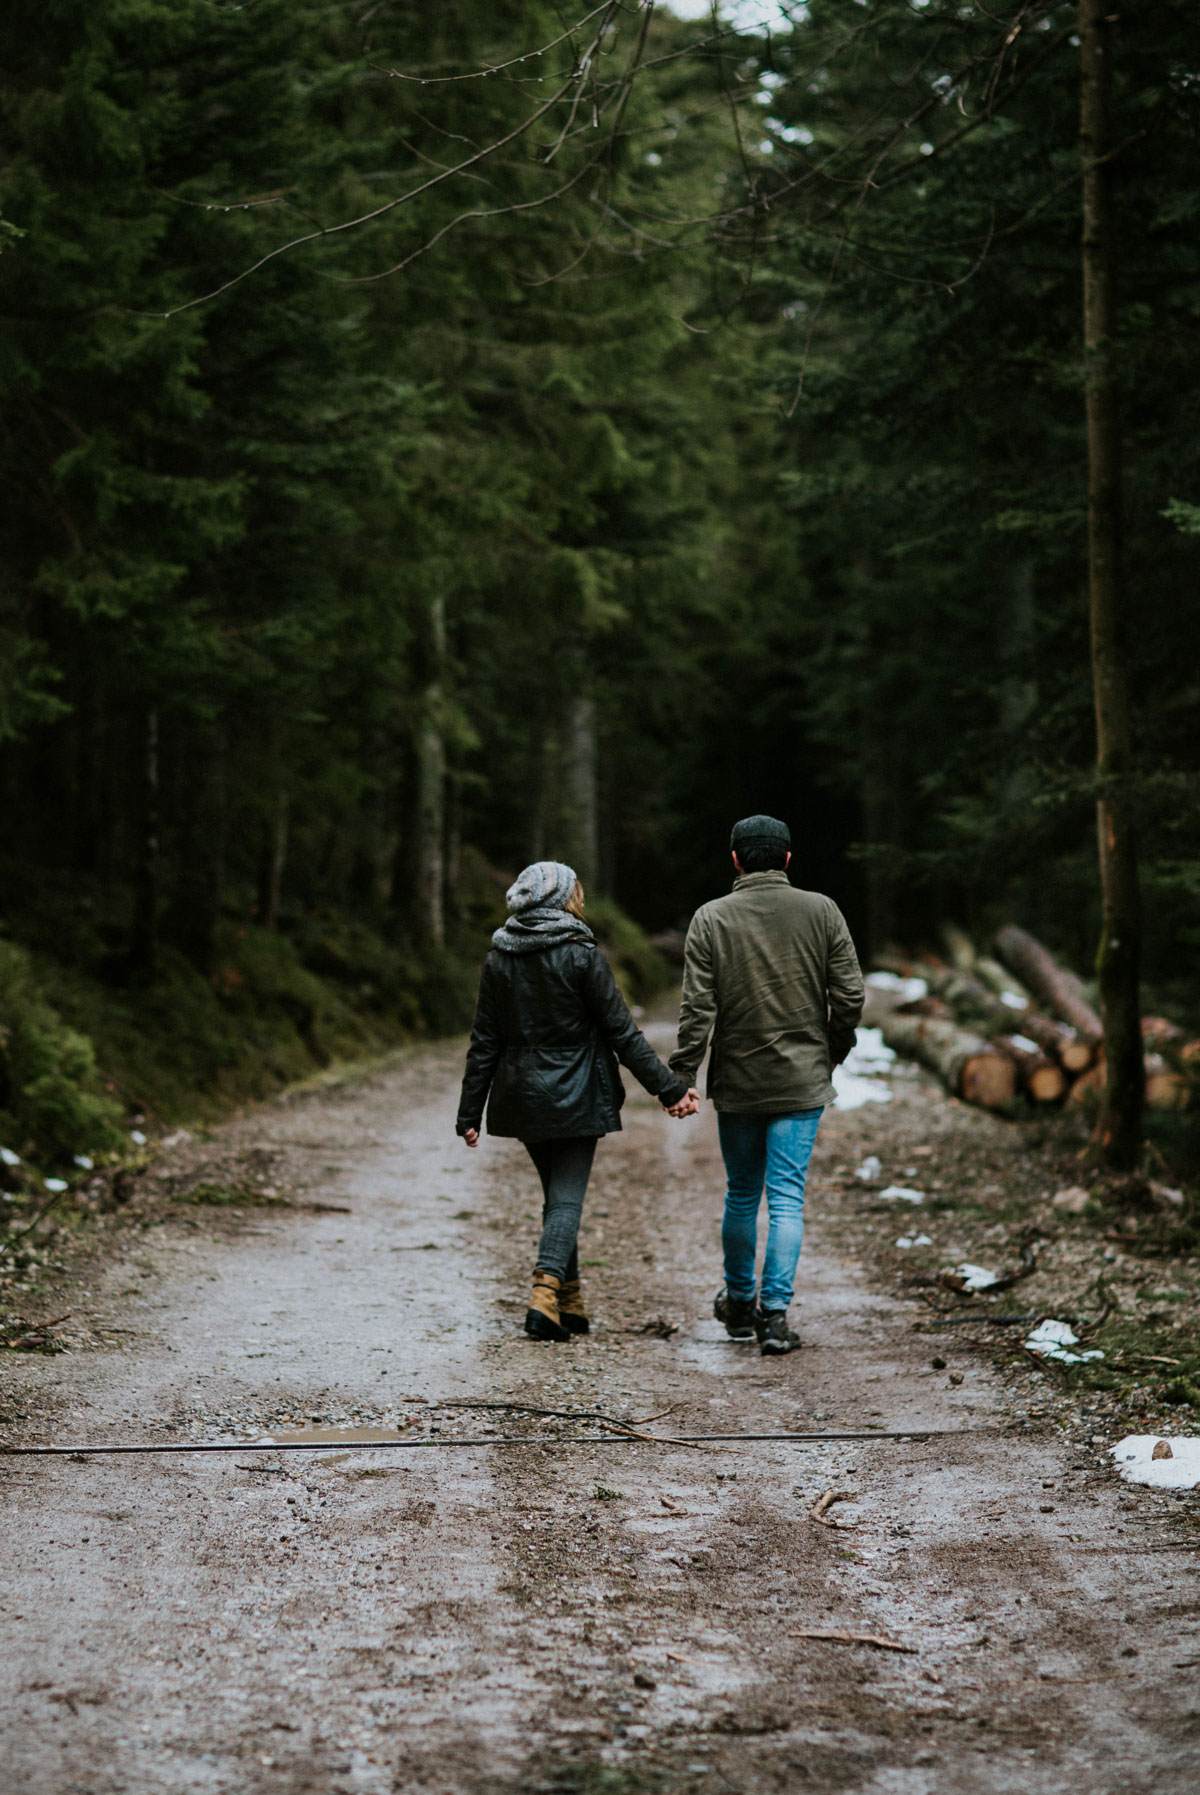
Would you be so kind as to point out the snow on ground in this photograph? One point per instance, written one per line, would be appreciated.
(1136, 1462)
(1054, 1339)
(858, 1079)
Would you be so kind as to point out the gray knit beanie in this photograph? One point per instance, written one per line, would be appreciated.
(546, 885)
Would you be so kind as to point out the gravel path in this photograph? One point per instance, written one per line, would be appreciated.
(617, 1617)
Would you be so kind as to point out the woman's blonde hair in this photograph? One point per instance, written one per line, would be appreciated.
(574, 904)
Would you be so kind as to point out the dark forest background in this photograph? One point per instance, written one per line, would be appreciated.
(712, 442)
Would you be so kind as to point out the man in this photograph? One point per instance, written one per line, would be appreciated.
(771, 973)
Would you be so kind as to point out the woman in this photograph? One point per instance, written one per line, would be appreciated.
(549, 1028)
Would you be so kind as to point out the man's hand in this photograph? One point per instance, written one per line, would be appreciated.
(471, 1136)
(687, 1105)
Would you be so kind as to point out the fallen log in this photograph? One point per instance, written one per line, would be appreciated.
(969, 1066)
(1051, 983)
(973, 1004)
(1165, 1087)
(1005, 984)
(1042, 1079)
(960, 949)
(1071, 1051)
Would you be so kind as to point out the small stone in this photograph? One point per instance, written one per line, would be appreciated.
(644, 1680)
(938, 1364)
(1162, 1449)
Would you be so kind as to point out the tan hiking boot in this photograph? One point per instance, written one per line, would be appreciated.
(542, 1318)
(571, 1312)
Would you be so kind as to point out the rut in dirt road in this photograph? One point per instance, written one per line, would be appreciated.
(615, 1617)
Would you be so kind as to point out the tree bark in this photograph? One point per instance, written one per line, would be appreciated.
(1118, 1126)
(270, 880)
(201, 888)
(143, 935)
(580, 830)
(429, 869)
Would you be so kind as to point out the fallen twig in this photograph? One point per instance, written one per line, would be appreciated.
(839, 1636)
(817, 1511)
(624, 1428)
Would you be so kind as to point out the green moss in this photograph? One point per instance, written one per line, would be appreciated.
(229, 1195)
(52, 1103)
(639, 968)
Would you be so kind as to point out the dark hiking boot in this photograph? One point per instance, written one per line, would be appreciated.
(542, 1320)
(571, 1312)
(775, 1337)
(737, 1315)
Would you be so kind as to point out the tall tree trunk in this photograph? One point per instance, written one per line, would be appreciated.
(429, 868)
(1118, 1129)
(580, 824)
(274, 859)
(143, 934)
(197, 908)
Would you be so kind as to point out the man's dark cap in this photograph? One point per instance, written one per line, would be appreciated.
(760, 828)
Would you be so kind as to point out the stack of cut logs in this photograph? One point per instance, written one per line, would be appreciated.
(1017, 1025)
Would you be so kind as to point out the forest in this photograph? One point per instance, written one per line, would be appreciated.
(435, 438)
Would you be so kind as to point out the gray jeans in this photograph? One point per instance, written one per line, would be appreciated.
(564, 1168)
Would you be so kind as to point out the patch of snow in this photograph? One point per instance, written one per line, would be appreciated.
(1136, 1462)
(81, 1159)
(1053, 1339)
(1024, 1043)
(1072, 1201)
(851, 1092)
(869, 1170)
(907, 990)
(900, 1193)
(1013, 1001)
(976, 1277)
(135, 1134)
(856, 1080)
(9, 1157)
(55, 1183)
(914, 1240)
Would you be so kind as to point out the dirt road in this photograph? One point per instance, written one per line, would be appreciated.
(617, 1617)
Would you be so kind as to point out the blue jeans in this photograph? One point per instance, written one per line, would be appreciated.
(775, 1151)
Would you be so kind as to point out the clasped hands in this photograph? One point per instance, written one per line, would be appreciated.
(687, 1105)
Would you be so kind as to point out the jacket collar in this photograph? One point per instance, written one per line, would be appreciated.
(750, 880)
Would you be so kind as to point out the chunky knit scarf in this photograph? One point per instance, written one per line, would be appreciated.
(539, 920)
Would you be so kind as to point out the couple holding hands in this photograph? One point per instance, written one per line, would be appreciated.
(770, 975)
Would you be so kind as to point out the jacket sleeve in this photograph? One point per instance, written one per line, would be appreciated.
(698, 1009)
(483, 1055)
(843, 987)
(618, 1028)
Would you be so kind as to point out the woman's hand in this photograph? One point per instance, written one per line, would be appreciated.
(688, 1105)
(471, 1136)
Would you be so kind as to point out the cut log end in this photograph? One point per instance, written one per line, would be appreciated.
(988, 1079)
(1047, 1084)
(1076, 1055)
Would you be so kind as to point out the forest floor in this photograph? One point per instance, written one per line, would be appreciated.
(613, 1617)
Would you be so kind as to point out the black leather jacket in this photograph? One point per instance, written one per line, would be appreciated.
(549, 1029)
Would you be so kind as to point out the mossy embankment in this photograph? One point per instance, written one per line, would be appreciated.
(95, 1060)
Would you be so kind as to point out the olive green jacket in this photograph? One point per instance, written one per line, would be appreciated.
(771, 973)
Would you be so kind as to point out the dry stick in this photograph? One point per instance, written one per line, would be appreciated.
(839, 1636)
(817, 1511)
(621, 1427)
